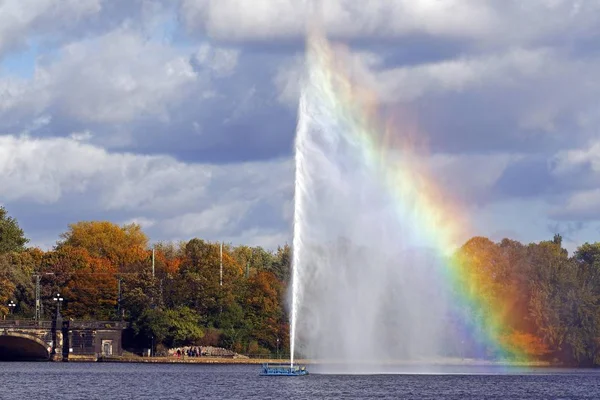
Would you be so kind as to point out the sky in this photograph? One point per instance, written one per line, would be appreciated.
(180, 115)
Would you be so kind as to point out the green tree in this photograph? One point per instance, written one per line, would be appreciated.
(565, 305)
(177, 327)
(140, 292)
(589, 254)
(20, 267)
(282, 263)
(12, 237)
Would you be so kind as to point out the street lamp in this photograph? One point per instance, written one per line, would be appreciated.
(11, 306)
(278, 348)
(58, 300)
(39, 306)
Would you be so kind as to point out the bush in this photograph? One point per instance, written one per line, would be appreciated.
(254, 349)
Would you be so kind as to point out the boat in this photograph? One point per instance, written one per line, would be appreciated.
(283, 370)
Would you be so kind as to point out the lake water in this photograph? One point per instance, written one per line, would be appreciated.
(189, 381)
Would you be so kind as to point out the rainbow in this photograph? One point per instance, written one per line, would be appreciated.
(392, 155)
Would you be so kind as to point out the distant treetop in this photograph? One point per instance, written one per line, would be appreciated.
(12, 237)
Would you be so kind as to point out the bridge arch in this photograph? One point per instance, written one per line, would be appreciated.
(17, 346)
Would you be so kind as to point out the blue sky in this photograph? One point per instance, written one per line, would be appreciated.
(180, 115)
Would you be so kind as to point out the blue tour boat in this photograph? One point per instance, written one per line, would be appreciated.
(282, 370)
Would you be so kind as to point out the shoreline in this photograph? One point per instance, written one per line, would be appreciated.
(187, 360)
(258, 361)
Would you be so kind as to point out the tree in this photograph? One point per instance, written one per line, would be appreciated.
(516, 291)
(565, 303)
(589, 254)
(282, 263)
(12, 237)
(177, 327)
(124, 246)
(483, 272)
(87, 283)
(140, 292)
(168, 257)
(557, 239)
(524, 345)
(92, 290)
(197, 284)
(264, 310)
(21, 266)
(7, 286)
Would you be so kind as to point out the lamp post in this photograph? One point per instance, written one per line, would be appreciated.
(39, 306)
(278, 348)
(11, 306)
(58, 301)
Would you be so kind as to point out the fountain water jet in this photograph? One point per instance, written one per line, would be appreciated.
(365, 288)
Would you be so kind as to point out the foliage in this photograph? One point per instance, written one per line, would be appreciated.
(12, 237)
(171, 327)
(542, 303)
(535, 300)
(524, 344)
(124, 246)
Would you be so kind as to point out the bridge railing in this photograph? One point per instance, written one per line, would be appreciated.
(25, 323)
(94, 325)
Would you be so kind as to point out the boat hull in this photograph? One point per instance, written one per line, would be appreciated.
(283, 370)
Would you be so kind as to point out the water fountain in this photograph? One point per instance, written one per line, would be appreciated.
(366, 286)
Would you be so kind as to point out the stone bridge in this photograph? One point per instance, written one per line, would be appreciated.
(28, 340)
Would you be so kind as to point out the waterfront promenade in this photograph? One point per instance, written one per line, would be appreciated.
(184, 360)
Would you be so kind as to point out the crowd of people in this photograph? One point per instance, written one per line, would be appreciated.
(192, 351)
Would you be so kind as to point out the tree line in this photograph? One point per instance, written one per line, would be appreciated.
(538, 301)
(103, 271)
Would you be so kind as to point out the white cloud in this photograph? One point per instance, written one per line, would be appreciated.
(486, 21)
(221, 62)
(116, 78)
(216, 219)
(570, 161)
(267, 238)
(82, 136)
(507, 69)
(141, 221)
(579, 169)
(46, 170)
(581, 205)
(178, 199)
(18, 18)
(407, 83)
(267, 19)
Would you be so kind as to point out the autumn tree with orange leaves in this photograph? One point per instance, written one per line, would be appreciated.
(125, 247)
